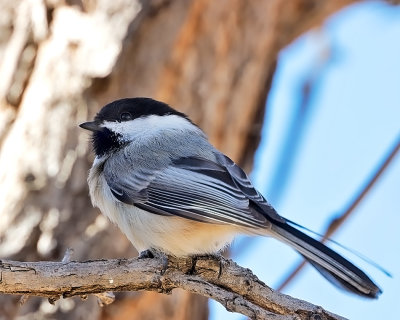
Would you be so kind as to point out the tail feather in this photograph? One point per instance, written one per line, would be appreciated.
(330, 264)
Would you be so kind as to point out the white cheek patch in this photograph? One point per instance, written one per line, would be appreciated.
(148, 126)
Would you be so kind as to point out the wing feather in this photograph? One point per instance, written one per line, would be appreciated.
(220, 192)
(192, 188)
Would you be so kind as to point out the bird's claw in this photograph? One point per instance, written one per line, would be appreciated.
(195, 258)
(152, 253)
(146, 254)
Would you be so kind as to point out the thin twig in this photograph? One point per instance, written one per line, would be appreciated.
(337, 222)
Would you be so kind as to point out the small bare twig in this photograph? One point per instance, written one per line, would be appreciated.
(103, 298)
(236, 288)
(337, 222)
(67, 258)
(67, 255)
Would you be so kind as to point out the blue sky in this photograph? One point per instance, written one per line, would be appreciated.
(352, 120)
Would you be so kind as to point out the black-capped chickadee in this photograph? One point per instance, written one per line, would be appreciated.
(167, 188)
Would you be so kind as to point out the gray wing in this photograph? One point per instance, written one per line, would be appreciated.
(197, 189)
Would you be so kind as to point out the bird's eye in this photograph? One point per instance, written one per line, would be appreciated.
(125, 116)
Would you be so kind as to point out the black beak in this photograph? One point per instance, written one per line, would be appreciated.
(91, 126)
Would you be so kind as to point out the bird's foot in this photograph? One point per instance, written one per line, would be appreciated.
(146, 254)
(196, 258)
(208, 256)
(154, 253)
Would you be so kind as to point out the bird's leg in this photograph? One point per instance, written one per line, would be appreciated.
(164, 260)
(146, 254)
(154, 253)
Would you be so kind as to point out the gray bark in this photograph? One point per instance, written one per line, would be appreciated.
(236, 288)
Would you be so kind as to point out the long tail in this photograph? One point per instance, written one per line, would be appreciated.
(330, 264)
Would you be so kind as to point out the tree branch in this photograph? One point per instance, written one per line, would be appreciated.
(236, 288)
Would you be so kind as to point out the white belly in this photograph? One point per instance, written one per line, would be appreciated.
(172, 235)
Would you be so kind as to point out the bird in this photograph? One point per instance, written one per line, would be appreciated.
(168, 189)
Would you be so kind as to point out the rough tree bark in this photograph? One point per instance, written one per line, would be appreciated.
(222, 280)
(60, 60)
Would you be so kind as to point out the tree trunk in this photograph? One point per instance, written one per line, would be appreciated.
(60, 61)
